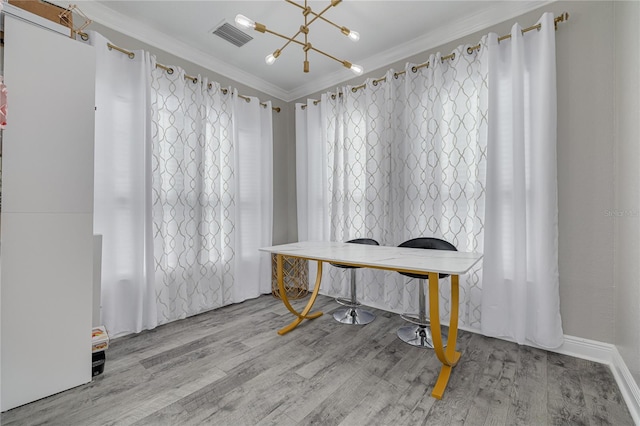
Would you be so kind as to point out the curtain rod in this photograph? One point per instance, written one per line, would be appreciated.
(170, 71)
(558, 19)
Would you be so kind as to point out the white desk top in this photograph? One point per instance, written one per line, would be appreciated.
(381, 257)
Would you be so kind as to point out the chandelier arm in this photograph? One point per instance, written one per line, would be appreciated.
(318, 15)
(285, 45)
(315, 14)
(290, 39)
(295, 4)
(329, 22)
(327, 55)
(305, 63)
(264, 29)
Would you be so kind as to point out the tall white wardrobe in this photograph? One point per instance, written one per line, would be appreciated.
(46, 227)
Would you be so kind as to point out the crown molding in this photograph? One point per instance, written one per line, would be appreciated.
(452, 31)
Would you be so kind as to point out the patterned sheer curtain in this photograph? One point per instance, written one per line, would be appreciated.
(211, 197)
(183, 192)
(409, 157)
(400, 166)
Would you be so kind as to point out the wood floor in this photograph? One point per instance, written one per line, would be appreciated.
(229, 367)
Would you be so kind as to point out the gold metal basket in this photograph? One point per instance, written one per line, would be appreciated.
(295, 277)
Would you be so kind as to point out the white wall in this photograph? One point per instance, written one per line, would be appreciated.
(585, 169)
(627, 184)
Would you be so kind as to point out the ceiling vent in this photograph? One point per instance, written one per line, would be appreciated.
(230, 33)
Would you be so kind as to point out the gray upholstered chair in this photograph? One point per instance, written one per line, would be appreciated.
(352, 314)
(419, 333)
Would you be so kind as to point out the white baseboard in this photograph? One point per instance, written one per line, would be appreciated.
(591, 350)
(628, 386)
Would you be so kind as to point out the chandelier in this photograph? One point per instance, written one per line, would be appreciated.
(309, 18)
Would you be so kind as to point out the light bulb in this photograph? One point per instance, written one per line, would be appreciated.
(353, 35)
(270, 59)
(244, 22)
(357, 69)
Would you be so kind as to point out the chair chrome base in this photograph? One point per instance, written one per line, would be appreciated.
(353, 316)
(349, 303)
(420, 336)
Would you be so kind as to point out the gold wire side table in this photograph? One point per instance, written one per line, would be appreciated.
(295, 277)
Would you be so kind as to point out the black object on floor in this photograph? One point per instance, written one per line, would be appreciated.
(98, 360)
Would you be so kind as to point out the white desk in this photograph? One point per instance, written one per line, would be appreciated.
(399, 259)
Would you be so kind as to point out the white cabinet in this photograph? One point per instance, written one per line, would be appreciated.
(46, 235)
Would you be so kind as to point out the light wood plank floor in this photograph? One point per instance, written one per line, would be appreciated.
(229, 367)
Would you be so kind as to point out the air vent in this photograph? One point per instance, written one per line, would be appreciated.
(232, 34)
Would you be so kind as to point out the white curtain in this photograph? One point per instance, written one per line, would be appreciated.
(183, 192)
(253, 143)
(410, 157)
(520, 295)
(122, 209)
(311, 177)
(212, 195)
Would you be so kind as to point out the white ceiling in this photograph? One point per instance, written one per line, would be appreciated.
(389, 31)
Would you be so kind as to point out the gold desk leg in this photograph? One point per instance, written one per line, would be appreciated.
(450, 357)
(283, 294)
